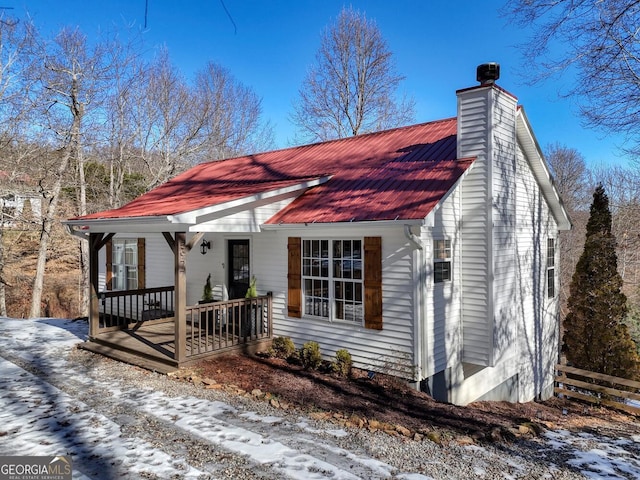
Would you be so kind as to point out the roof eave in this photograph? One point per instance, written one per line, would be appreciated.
(160, 223)
(532, 150)
(363, 223)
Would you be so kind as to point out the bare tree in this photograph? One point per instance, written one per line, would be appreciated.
(596, 40)
(72, 76)
(169, 124)
(14, 112)
(351, 87)
(118, 144)
(572, 180)
(178, 125)
(570, 174)
(232, 114)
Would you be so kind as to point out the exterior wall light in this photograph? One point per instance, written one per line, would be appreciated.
(204, 246)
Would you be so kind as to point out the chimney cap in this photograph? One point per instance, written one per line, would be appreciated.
(488, 73)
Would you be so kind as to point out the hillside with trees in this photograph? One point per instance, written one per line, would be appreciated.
(86, 126)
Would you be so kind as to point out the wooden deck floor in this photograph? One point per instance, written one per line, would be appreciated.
(152, 346)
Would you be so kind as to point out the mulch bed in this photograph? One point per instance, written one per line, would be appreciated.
(387, 403)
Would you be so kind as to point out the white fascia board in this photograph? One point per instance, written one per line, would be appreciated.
(317, 225)
(126, 225)
(219, 210)
(534, 155)
(429, 220)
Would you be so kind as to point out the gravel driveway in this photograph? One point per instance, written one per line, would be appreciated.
(119, 421)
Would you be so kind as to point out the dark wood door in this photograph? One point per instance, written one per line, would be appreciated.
(238, 268)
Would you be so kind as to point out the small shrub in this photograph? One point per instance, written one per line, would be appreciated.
(310, 355)
(282, 347)
(342, 363)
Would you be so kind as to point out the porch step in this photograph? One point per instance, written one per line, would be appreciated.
(130, 358)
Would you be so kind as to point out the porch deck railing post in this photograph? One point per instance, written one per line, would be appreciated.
(94, 308)
(180, 255)
(270, 314)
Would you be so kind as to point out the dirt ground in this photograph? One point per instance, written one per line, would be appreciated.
(385, 403)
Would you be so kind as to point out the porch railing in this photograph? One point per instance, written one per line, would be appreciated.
(217, 326)
(124, 308)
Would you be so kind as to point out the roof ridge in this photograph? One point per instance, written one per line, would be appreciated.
(335, 140)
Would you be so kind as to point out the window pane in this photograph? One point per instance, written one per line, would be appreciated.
(357, 269)
(306, 248)
(338, 290)
(348, 290)
(442, 271)
(441, 249)
(551, 283)
(357, 249)
(337, 268)
(551, 253)
(346, 247)
(337, 249)
(324, 248)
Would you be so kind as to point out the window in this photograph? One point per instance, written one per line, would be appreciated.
(551, 270)
(332, 279)
(124, 265)
(441, 261)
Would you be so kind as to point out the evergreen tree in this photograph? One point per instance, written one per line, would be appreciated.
(595, 337)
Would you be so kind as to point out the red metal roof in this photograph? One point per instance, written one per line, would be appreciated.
(398, 173)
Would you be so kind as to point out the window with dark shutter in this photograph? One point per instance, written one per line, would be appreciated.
(142, 255)
(294, 294)
(373, 282)
(109, 275)
(125, 264)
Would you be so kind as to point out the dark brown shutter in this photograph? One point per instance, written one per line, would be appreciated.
(141, 263)
(373, 282)
(109, 277)
(294, 297)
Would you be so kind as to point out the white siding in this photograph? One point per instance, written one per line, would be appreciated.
(474, 141)
(388, 349)
(537, 327)
(486, 130)
(245, 220)
(503, 220)
(442, 312)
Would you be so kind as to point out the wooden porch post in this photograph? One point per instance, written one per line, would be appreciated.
(180, 256)
(96, 242)
(94, 308)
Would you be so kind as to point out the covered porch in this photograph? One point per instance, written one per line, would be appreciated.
(155, 328)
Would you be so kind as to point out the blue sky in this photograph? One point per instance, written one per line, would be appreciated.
(437, 45)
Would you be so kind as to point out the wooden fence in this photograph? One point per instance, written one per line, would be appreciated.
(597, 388)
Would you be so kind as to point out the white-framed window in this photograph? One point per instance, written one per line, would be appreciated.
(124, 265)
(332, 279)
(441, 260)
(551, 268)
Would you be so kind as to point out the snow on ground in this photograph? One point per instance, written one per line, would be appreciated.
(598, 457)
(40, 418)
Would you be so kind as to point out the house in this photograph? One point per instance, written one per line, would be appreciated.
(428, 251)
(19, 200)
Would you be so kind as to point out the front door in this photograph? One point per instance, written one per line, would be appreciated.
(239, 272)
